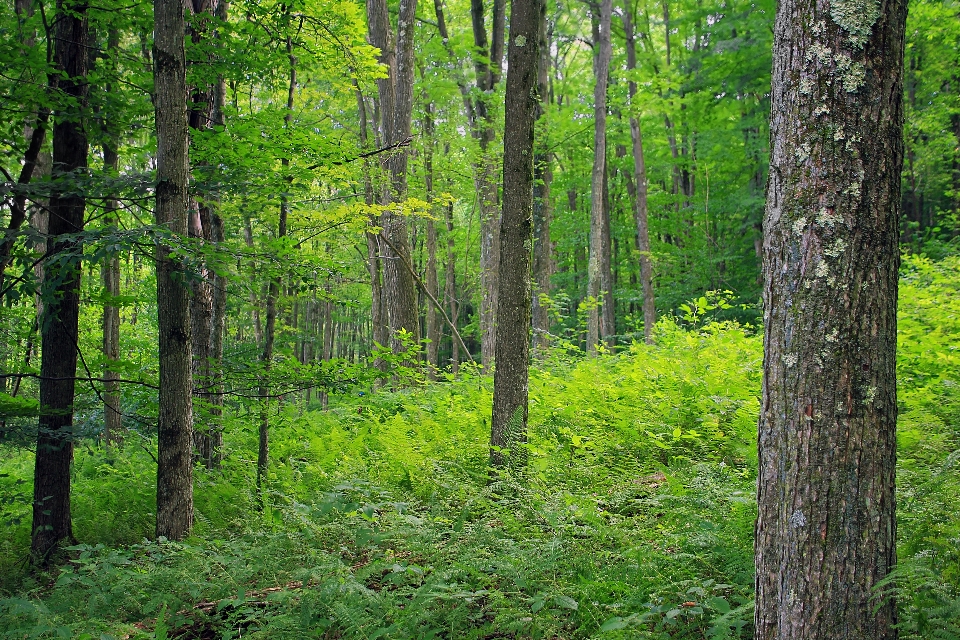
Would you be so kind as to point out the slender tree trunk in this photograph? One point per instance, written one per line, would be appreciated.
(601, 67)
(542, 211)
(450, 288)
(273, 293)
(175, 442)
(487, 62)
(826, 531)
(642, 238)
(433, 319)
(608, 328)
(59, 333)
(110, 276)
(508, 427)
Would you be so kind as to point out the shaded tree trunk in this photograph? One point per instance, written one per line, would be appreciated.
(508, 427)
(542, 211)
(450, 289)
(433, 320)
(175, 441)
(826, 531)
(59, 329)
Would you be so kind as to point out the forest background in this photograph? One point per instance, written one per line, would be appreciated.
(388, 480)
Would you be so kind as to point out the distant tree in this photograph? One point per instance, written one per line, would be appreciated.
(826, 531)
(175, 424)
(510, 386)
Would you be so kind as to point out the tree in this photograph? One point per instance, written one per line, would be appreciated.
(510, 384)
(175, 423)
(826, 531)
(598, 270)
(60, 322)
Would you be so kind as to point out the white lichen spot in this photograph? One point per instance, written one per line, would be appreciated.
(806, 85)
(808, 283)
(819, 28)
(822, 270)
(820, 52)
(800, 225)
(856, 17)
(790, 360)
(520, 41)
(797, 520)
(825, 218)
(832, 336)
(854, 77)
(802, 152)
(838, 134)
(821, 109)
(869, 395)
(836, 249)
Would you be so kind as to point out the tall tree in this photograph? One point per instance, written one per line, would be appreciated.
(60, 322)
(639, 181)
(542, 210)
(508, 426)
(599, 265)
(175, 425)
(826, 531)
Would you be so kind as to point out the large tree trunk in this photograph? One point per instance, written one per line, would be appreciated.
(826, 531)
(642, 238)
(508, 427)
(175, 468)
(58, 364)
(598, 213)
(542, 211)
(396, 108)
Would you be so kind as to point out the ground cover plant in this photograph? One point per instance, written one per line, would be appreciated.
(634, 518)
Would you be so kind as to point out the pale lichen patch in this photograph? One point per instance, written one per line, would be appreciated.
(856, 17)
(797, 519)
(790, 360)
(836, 249)
(799, 225)
(520, 41)
(826, 218)
(822, 270)
(806, 85)
(802, 152)
(820, 52)
(869, 395)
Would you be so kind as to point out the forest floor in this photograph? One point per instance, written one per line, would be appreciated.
(634, 518)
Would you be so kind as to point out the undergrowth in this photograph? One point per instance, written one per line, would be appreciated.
(634, 518)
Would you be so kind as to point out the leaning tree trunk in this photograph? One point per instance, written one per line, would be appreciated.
(598, 213)
(508, 428)
(59, 333)
(826, 531)
(175, 441)
(642, 237)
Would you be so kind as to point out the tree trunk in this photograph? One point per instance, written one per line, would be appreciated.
(601, 67)
(826, 531)
(642, 238)
(273, 293)
(508, 427)
(542, 211)
(175, 442)
(59, 333)
(450, 289)
(433, 319)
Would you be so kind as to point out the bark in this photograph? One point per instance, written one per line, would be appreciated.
(642, 237)
(396, 108)
(608, 328)
(175, 442)
(59, 330)
(542, 211)
(826, 530)
(508, 427)
(598, 213)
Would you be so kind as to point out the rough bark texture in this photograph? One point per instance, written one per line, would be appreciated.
(433, 318)
(598, 213)
(58, 364)
(175, 442)
(826, 528)
(510, 387)
(450, 290)
(542, 211)
(642, 238)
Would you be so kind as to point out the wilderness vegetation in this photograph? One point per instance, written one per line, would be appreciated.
(293, 438)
